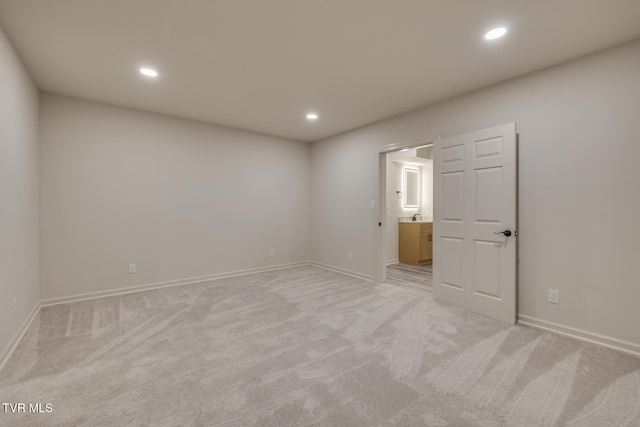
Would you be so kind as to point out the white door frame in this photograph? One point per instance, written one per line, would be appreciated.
(379, 231)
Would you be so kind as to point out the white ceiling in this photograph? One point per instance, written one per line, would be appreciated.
(261, 65)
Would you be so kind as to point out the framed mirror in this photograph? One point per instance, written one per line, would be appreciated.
(411, 188)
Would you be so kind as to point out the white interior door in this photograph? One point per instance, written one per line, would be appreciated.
(474, 258)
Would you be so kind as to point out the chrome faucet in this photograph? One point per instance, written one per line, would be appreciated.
(414, 217)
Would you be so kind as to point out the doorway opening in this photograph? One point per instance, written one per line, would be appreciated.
(406, 217)
(474, 240)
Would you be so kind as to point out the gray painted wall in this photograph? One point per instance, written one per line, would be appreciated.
(178, 198)
(18, 194)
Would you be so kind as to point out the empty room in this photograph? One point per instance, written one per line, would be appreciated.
(336, 213)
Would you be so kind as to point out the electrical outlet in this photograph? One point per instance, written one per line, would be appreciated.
(554, 296)
(349, 256)
(270, 252)
(132, 268)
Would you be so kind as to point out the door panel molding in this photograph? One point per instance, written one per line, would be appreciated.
(475, 200)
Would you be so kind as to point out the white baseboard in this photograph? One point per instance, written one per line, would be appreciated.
(613, 343)
(167, 284)
(343, 271)
(13, 343)
(393, 261)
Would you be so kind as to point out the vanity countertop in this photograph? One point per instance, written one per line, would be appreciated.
(407, 219)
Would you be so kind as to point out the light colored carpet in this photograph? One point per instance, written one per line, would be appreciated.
(416, 277)
(307, 346)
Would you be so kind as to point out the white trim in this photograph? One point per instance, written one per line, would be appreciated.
(413, 143)
(380, 222)
(167, 284)
(343, 271)
(13, 343)
(393, 261)
(603, 340)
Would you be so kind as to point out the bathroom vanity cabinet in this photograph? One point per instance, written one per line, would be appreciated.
(415, 243)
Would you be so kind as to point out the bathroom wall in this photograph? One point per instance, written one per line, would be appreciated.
(427, 190)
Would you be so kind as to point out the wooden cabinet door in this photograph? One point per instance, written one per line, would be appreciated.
(409, 243)
(426, 242)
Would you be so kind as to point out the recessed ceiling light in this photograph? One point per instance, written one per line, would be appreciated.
(312, 116)
(149, 72)
(495, 33)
